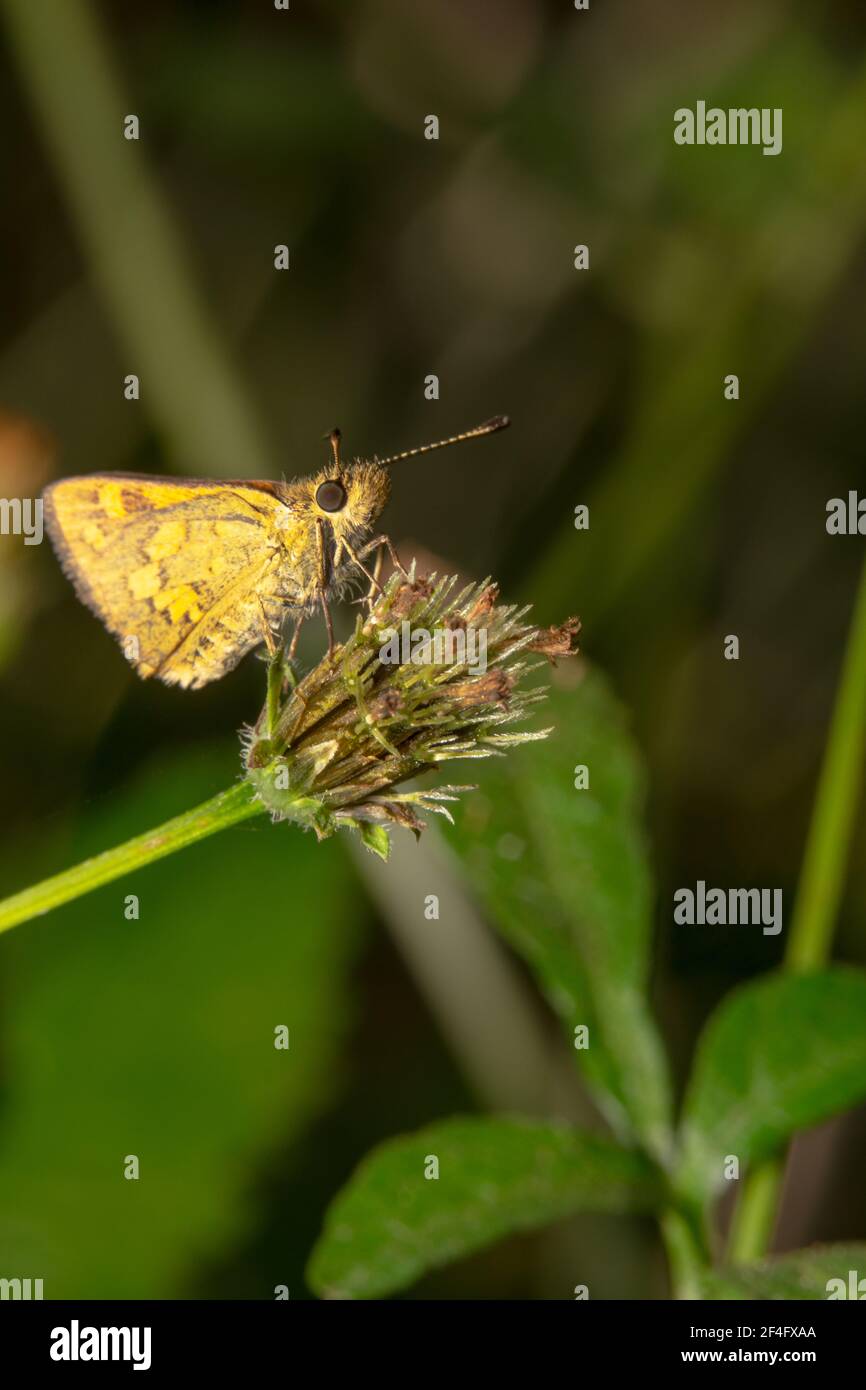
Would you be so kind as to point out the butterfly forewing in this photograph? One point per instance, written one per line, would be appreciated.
(175, 568)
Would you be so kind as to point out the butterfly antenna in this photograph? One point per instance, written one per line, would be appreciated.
(334, 440)
(499, 422)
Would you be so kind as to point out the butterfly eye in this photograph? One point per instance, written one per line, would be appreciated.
(331, 496)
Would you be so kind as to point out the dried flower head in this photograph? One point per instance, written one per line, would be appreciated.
(429, 675)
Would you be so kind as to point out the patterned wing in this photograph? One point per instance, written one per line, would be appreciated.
(174, 567)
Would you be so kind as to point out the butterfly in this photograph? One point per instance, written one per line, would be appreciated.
(189, 574)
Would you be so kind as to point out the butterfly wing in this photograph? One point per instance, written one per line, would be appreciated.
(174, 567)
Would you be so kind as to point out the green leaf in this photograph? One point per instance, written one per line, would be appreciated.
(822, 1271)
(155, 1037)
(778, 1055)
(564, 875)
(375, 838)
(495, 1176)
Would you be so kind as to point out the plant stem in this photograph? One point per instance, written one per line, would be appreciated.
(836, 801)
(755, 1215)
(686, 1258)
(236, 804)
(821, 880)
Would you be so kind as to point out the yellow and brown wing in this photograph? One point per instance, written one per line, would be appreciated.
(173, 566)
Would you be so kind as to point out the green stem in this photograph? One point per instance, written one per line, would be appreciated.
(755, 1215)
(686, 1256)
(839, 787)
(821, 881)
(223, 810)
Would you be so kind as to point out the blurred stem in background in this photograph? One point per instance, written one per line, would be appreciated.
(821, 880)
(520, 1067)
(686, 1252)
(136, 255)
(836, 802)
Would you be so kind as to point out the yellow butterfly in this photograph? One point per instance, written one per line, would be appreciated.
(191, 574)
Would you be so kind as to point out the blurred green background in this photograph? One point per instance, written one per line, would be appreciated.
(408, 257)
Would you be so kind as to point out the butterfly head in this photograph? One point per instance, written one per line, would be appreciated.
(350, 496)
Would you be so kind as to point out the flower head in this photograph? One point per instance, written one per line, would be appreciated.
(430, 675)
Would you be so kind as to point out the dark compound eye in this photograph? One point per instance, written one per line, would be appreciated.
(331, 496)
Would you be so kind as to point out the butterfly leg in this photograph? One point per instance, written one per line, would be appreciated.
(389, 546)
(267, 631)
(374, 576)
(326, 612)
(290, 654)
(377, 570)
(374, 587)
(323, 586)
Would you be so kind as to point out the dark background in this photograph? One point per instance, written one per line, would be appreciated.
(408, 257)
